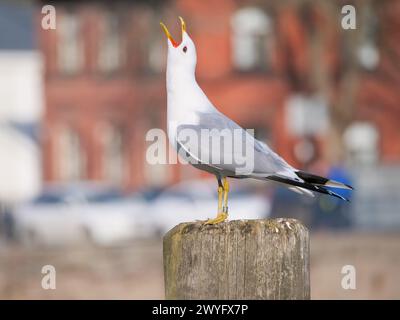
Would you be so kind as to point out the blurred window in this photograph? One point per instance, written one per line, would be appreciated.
(71, 156)
(157, 55)
(111, 55)
(251, 39)
(361, 140)
(156, 174)
(113, 160)
(69, 50)
(298, 109)
(368, 53)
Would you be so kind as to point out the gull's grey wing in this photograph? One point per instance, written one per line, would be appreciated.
(230, 149)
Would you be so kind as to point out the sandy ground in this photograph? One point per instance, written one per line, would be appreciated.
(135, 271)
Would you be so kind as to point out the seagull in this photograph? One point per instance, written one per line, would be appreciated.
(188, 108)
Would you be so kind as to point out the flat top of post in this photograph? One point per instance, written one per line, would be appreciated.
(278, 225)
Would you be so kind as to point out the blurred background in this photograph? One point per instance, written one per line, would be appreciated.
(76, 102)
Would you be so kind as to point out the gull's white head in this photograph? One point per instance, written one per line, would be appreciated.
(181, 56)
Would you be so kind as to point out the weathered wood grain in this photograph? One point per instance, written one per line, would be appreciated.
(242, 259)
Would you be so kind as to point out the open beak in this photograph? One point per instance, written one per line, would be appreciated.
(173, 42)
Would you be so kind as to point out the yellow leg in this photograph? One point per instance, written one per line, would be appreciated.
(226, 189)
(220, 192)
(222, 210)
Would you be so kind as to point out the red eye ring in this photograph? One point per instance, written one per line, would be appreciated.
(184, 49)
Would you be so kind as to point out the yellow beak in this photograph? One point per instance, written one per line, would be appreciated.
(183, 27)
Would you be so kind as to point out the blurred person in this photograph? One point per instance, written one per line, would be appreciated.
(329, 213)
(322, 211)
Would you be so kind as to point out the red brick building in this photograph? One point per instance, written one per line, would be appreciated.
(105, 80)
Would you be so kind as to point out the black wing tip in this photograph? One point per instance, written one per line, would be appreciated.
(347, 186)
(315, 179)
(308, 186)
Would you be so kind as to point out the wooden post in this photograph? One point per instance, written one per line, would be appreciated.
(241, 259)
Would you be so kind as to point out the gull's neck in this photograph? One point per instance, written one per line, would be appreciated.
(184, 94)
